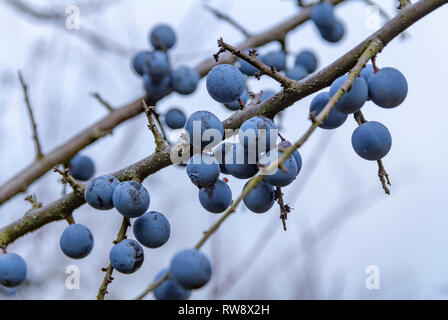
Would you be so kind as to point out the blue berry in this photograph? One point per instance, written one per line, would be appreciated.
(258, 134)
(367, 71)
(82, 168)
(152, 229)
(12, 270)
(98, 192)
(307, 59)
(298, 72)
(371, 140)
(335, 118)
(184, 80)
(276, 59)
(240, 163)
(333, 33)
(280, 178)
(156, 89)
(203, 170)
(322, 14)
(246, 68)
(140, 61)
(157, 65)
(175, 118)
(169, 289)
(216, 198)
(235, 105)
(261, 198)
(76, 241)
(388, 88)
(220, 154)
(225, 83)
(131, 199)
(296, 155)
(191, 269)
(353, 99)
(202, 123)
(162, 37)
(126, 256)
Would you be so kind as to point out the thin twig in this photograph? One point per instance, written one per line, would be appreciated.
(382, 174)
(227, 18)
(108, 276)
(107, 105)
(39, 154)
(153, 286)
(160, 142)
(252, 59)
(67, 178)
(33, 200)
(403, 4)
(284, 209)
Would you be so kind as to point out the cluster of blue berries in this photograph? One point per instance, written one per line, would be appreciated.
(330, 28)
(155, 66)
(387, 88)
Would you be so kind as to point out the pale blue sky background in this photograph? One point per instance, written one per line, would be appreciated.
(342, 205)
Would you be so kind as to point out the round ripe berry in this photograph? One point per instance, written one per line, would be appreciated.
(261, 198)
(276, 59)
(388, 88)
(82, 168)
(280, 178)
(131, 199)
(157, 65)
(191, 269)
(335, 118)
(139, 61)
(307, 59)
(258, 134)
(156, 89)
(216, 198)
(371, 140)
(322, 14)
(162, 37)
(334, 33)
(367, 71)
(169, 289)
(298, 72)
(225, 83)
(12, 270)
(296, 155)
(235, 105)
(184, 80)
(353, 100)
(239, 162)
(76, 241)
(98, 192)
(203, 170)
(175, 118)
(152, 229)
(220, 154)
(126, 256)
(204, 130)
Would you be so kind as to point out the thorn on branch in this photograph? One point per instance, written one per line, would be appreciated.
(33, 200)
(67, 178)
(103, 102)
(160, 142)
(39, 153)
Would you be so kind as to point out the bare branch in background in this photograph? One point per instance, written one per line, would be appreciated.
(39, 154)
(227, 18)
(107, 105)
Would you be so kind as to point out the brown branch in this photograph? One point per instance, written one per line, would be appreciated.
(382, 174)
(67, 178)
(160, 142)
(264, 69)
(22, 180)
(227, 18)
(103, 102)
(59, 209)
(39, 154)
(108, 276)
(284, 209)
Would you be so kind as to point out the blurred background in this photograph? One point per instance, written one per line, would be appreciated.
(341, 223)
